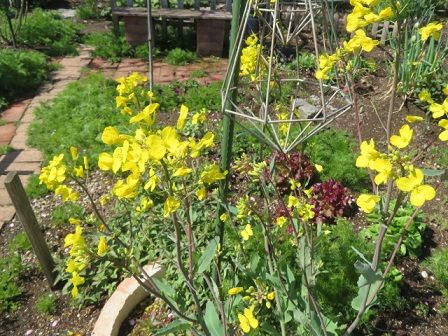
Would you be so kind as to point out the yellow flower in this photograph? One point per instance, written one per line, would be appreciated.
(199, 117)
(386, 13)
(121, 101)
(293, 201)
(439, 110)
(127, 189)
(281, 221)
(75, 239)
(182, 117)
(86, 162)
(294, 184)
(420, 193)
(247, 232)
(444, 135)
(318, 167)
(156, 147)
(66, 193)
(271, 296)
(367, 203)
(201, 193)
(235, 290)
(224, 217)
(413, 118)
(183, 171)
(445, 90)
(147, 115)
(74, 153)
(247, 320)
(110, 136)
(402, 140)
(74, 221)
(425, 96)
(212, 174)
(431, 30)
(102, 246)
(384, 168)
(79, 171)
(368, 154)
(171, 205)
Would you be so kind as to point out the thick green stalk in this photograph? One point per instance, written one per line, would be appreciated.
(228, 125)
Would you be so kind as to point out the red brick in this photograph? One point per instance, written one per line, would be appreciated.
(15, 112)
(7, 133)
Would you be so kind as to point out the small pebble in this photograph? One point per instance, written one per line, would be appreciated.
(424, 275)
(29, 332)
(55, 323)
(132, 322)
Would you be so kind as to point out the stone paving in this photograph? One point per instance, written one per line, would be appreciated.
(16, 119)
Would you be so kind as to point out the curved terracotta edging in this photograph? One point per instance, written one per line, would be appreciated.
(126, 297)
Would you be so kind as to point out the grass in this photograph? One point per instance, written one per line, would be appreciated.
(336, 152)
(11, 269)
(77, 117)
(63, 212)
(5, 149)
(46, 304)
(34, 189)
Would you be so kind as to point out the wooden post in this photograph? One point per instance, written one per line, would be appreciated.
(30, 225)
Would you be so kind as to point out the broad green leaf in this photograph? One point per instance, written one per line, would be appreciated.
(207, 257)
(212, 320)
(164, 288)
(176, 325)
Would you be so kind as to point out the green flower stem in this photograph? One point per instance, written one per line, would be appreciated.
(148, 284)
(183, 271)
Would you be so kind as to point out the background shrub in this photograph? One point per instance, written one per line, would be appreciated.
(109, 46)
(48, 32)
(179, 56)
(21, 73)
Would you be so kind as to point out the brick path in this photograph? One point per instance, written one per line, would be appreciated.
(17, 118)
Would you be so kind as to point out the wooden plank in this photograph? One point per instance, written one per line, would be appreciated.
(174, 13)
(30, 225)
(385, 32)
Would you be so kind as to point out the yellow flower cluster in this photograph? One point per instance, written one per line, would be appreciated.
(298, 204)
(131, 93)
(54, 175)
(249, 57)
(254, 296)
(154, 159)
(438, 110)
(78, 258)
(363, 13)
(393, 165)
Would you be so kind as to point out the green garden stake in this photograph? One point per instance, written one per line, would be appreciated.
(228, 124)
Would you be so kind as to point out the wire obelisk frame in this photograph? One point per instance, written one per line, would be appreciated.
(279, 99)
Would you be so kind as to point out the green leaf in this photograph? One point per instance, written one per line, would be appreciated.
(433, 172)
(176, 325)
(212, 321)
(207, 258)
(164, 288)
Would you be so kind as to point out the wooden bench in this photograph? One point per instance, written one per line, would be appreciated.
(212, 25)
